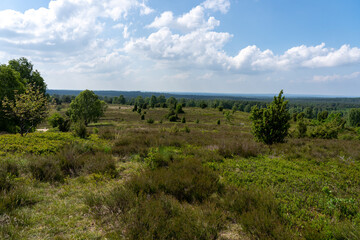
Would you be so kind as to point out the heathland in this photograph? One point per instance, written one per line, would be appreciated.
(136, 175)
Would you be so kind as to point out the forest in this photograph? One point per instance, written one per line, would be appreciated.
(165, 166)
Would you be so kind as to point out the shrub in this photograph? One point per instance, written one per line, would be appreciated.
(218, 122)
(270, 125)
(58, 121)
(179, 109)
(142, 117)
(157, 158)
(354, 117)
(187, 180)
(173, 118)
(150, 121)
(165, 218)
(324, 131)
(46, 169)
(80, 130)
(258, 213)
(183, 120)
(98, 163)
(301, 128)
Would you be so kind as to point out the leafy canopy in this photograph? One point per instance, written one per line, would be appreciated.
(270, 125)
(27, 110)
(86, 107)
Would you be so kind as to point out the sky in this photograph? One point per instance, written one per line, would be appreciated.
(215, 46)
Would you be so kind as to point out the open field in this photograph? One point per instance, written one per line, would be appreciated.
(202, 179)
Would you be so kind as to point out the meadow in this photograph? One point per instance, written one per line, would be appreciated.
(202, 177)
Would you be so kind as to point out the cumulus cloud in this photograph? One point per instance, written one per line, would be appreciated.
(192, 20)
(63, 21)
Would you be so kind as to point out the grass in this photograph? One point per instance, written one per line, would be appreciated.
(196, 180)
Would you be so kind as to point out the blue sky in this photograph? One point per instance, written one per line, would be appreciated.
(223, 46)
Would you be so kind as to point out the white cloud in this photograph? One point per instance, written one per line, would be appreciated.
(336, 77)
(192, 20)
(63, 21)
(217, 5)
(166, 19)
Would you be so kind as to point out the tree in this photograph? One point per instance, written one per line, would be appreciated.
(153, 101)
(171, 102)
(270, 125)
(354, 117)
(86, 108)
(27, 110)
(30, 76)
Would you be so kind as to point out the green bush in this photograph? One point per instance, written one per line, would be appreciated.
(80, 130)
(270, 125)
(301, 128)
(179, 109)
(324, 131)
(58, 121)
(183, 120)
(150, 121)
(354, 117)
(173, 118)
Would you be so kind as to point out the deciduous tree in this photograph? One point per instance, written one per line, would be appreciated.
(27, 110)
(86, 107)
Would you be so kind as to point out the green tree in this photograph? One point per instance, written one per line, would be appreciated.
(270, 125)
(171, 102)
(28, 74)
(153, 101)
(86, 108)
(354, 117)
(122, 99)
(28, 109)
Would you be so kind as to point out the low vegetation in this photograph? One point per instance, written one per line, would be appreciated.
(180, 169)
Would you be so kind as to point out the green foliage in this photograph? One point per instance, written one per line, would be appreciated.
(58, 121)
(354, 117)
(324, 131)
(27, 110)
(28, 74)
(173, 118)
(179, 109)
(301, 128)
(150, 121)
(80, 130)
(322, 116)
(183, 120)
(270, 125)
(218, 122)
(86, 108)
(328, 129)
(142, 117)
(259, 213)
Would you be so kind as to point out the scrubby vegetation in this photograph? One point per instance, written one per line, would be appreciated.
(167, 168)
(128, 179)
